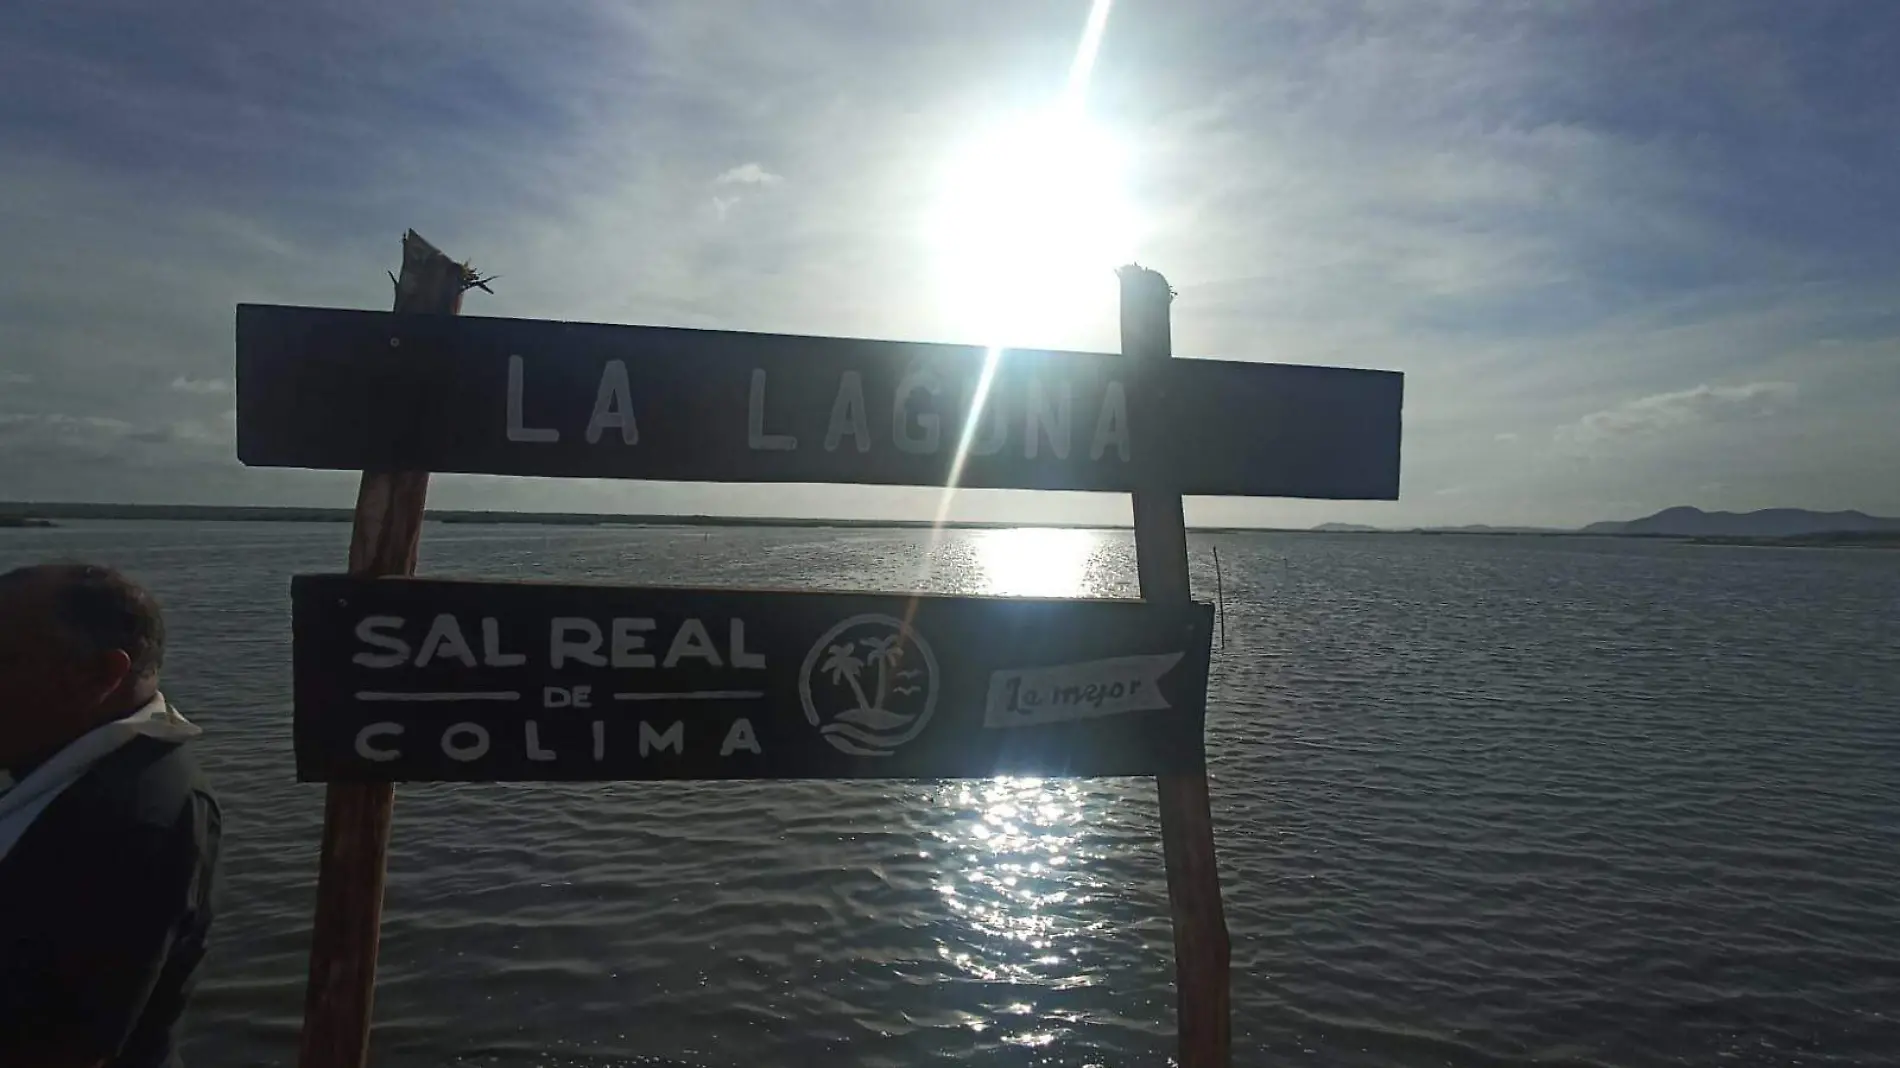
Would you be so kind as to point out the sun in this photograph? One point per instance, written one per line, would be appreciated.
(1030, 220)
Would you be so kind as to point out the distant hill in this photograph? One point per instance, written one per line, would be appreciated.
(1474, 528)
(1486, 528)
(1684, 522)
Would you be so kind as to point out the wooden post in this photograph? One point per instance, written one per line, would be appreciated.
(1187, 830)
(349, 915)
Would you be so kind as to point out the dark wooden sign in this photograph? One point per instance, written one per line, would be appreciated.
(353, 390)
(422, 680)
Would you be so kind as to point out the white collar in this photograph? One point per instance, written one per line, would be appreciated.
(24, 799)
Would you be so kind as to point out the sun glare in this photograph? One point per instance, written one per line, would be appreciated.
(1029, 225)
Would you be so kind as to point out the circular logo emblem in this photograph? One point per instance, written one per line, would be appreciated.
(869, 685)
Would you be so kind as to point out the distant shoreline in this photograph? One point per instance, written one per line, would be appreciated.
(45, 514)
(17, 514)
(1861, 539)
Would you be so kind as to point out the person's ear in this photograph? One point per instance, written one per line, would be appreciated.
(112, 669)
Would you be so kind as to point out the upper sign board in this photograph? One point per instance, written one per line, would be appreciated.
(426, 680)
(357, 390)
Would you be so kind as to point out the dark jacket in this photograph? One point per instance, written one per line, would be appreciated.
(105, 905)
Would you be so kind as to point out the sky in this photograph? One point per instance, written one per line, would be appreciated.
(1628, 255)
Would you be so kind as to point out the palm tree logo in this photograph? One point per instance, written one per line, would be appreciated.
(862, 717)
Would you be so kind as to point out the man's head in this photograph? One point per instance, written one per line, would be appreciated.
(80, 645)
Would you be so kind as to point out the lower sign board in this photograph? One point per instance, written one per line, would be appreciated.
(402, 680)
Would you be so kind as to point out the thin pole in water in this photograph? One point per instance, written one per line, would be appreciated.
(1220, 599)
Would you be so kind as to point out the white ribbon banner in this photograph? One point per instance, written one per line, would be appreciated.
(1031, 697)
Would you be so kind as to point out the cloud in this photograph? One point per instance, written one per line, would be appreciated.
(216, 436)
(15, 378)
(52, 432)
(183, 384)
(19, 424)
(1665, 412)
(748, 174)
(39, 438)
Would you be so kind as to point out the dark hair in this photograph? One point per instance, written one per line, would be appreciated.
(99, 609)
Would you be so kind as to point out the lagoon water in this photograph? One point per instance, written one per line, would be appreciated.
(1479, 802)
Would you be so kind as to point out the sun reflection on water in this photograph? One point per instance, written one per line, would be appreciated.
(1016, 874)
(1036, 561)
(1018, 870)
